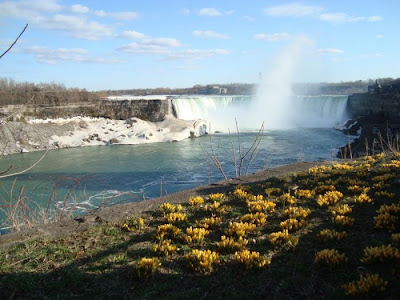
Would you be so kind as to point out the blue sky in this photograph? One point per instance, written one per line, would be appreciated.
(145, 44)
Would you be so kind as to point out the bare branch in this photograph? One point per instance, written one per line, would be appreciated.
(12, 45)
(27, 169)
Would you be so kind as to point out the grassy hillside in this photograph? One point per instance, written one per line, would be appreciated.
(330, 232)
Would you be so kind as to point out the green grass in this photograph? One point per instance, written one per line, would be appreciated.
(101, 262)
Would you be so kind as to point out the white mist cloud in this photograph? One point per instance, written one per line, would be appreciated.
(272, 37)
(48, 55)
(292, 10)
(209, 12)
(185, 11)
(79, 9)
(210, 34)
(122, 15)
(194, 54)
(333, 51)
(345, 18)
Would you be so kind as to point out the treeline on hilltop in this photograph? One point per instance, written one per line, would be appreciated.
(12, 92)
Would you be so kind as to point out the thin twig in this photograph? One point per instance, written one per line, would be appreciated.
(12, 45)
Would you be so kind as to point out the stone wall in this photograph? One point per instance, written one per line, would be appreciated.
(148, 110)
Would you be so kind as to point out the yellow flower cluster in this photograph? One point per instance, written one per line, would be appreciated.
(319, 169)
(368, 285)
(240, 228)
(358, 189)
(385, 218)
(328, 234)
(346, 167)
(272, 191)
(354, 181)
(217, 197)
(167, 208)
(393, 164)
(167, 231)
(195, 234)
(305, 194)
(384, 177)
(216, 208)
(329, 198)
(384, 194)
(146, 266)
(396, 238)
(132, 223)
(391, 209)
(386, 221)
(175, 217)
(369, 158)
(292, 224)
(196, 201)
(164, 247)
(297, 212)
(202, 261)
(210, 222)
(330, 257)
(380, 185)
(380, 155)
(340, 209)
(260, 206)
(283, 237)
(239, 193)
(257, 218)
(229, 244)
(325, 188)
(343, 220)
(251, 259)
(384, 253)
(287, 198)
(363, 198)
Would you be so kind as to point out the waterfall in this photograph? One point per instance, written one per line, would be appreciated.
(322, 111)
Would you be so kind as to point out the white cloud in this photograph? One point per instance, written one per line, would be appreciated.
(162, 42)
(333, 51)
(28, 10)
(374, 19)
(272, 37)
(248, 18)
(300, 10)
(209, 12)
(194, 54)
(185, 11)
(132, 34)
(210, 34)
(143, 48)
(79, 9)
(123, 15)
(48, 55)
(79, 27)
(292, 10)
(229, 12)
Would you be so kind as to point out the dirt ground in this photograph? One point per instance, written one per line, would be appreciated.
(117, 212)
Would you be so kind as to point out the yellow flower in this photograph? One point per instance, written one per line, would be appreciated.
(202, 261)
(384, 253)
(251, 259)
(340, 209)
(363, 198)
(327, 234)
(196, 201)
(287, 198)
(228, 244)
(368, 285)
(305, 194)
(240, 228)
(217, 197)
(167, 231)
(283, 237)
(297, 212)
(146, 266)
(292, 224)
(164, 247)
(343, 220)
(175, 217)
(329, 198)
(212, 222)
(195, 234)
(258, 218)
(167, 208)
(330, 257)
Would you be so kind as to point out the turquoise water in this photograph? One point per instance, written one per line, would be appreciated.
(91, 176)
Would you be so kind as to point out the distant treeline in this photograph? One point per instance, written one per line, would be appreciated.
(12, 92)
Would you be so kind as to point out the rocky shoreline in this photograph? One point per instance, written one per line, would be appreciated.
(38, 134)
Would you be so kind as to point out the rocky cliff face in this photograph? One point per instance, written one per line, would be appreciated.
(382, 105)
(148, 110)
